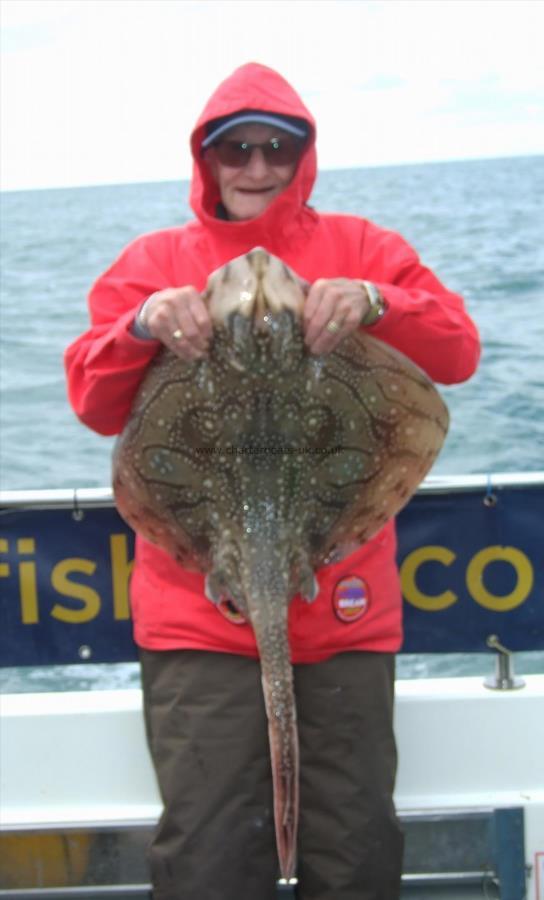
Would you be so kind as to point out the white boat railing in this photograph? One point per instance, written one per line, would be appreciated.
(103, 496)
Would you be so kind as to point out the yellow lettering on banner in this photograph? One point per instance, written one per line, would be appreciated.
(475, 578)
(26, 545)
(62, 584)
(408, 573)
(29, 593)
(121, 568)
(4, 568)
(28, 588)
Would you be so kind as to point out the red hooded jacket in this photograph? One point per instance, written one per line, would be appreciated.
(359, 603)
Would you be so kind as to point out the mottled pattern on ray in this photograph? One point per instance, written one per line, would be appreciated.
(261, 463)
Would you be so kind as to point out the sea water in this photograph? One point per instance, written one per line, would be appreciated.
(478, 225)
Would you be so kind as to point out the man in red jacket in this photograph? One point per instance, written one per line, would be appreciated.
(254, 169)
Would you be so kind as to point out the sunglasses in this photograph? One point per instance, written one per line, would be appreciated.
(276, 152)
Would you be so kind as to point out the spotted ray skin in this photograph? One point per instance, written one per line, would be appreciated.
(261, 463)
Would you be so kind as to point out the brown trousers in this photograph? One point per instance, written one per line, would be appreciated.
(207, 733)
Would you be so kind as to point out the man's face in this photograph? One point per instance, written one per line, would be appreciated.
(246, 191)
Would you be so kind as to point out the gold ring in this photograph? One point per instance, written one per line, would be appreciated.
(177, 334)
(333, 327)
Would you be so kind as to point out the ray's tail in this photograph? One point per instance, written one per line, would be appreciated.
(279, 697)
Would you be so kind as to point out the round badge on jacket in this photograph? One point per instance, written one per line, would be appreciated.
(351, 599)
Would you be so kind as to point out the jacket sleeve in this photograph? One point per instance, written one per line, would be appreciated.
(424, 320)
(106, 364)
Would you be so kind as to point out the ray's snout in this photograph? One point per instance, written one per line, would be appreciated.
(252, 285)
(259, 260)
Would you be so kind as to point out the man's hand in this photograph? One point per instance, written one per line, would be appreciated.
(179, 319)
(334, 308)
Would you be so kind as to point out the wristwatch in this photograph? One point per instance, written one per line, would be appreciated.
(377, 304)
(139, 329)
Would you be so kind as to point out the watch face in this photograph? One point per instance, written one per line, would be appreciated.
(377, 304)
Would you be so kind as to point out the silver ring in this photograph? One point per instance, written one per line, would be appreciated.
(177, 334)
(333, 327)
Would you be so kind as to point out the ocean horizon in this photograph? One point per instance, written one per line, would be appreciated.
(186, 178)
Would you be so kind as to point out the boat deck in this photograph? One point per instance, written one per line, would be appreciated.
(469, 791)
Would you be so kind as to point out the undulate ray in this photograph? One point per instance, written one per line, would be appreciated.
(261, 463)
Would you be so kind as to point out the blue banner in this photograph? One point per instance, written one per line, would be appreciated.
(472, 567)
(468, 570)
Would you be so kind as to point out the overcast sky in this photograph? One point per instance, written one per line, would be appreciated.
(107, 91)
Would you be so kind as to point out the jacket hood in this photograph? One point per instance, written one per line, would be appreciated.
(253, 86)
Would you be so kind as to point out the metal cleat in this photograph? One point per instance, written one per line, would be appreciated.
(504, 678)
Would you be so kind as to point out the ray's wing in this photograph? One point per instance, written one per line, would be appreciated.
(389, 425)
(163, 461)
